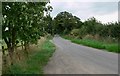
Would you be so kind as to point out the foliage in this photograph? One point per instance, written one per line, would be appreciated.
(35, 63)
(64, 22)
(48, 24)
(75, 32)
(23, 23)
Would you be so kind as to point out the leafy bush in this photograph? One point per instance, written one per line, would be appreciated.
(88, 36)
(75, 32)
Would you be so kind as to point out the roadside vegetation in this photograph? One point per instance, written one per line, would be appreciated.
(111, 47)
(25, 23)
(91, 32)
(38, 57)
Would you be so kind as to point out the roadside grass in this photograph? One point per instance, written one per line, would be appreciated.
(35, 62)
(91, 43)
(111, 47)
(38, 60)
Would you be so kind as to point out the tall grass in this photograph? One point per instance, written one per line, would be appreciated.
(35, 62)
(111, 47)
(91, 43)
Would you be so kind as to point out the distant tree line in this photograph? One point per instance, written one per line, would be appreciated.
(66, 23)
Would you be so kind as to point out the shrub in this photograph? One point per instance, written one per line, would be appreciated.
(88, 36)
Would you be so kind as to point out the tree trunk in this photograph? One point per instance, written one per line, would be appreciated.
(10, 50)
(22, 44)
(3, 50)
(26, 48)
(18, 55)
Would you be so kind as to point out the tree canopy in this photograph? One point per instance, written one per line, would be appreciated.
(23, 21)
(64, 22)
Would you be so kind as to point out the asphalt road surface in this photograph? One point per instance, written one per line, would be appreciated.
(71, 58)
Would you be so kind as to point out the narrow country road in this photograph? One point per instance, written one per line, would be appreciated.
(71, 58)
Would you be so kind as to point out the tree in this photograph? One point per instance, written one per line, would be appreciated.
(90, 25)
(64, 22)
(22, 21)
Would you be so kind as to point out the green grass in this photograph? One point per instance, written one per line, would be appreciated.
(113, 47)
(41, 58)
(36, 61)
(91, 43)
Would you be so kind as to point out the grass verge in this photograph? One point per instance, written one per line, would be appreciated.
(35, 62)
(113, 47)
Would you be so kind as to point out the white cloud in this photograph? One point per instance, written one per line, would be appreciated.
(84, 10)
(112, 17)
(76, 8)
(86, 0)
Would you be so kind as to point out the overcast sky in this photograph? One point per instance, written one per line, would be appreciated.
(104, 11)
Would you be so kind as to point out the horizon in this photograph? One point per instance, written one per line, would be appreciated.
(85, 10)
